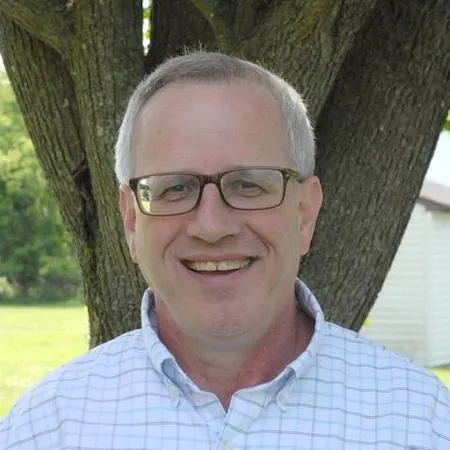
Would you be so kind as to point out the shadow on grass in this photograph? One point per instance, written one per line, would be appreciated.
(445, 367)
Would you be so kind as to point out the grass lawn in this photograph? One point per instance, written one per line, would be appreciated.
(443, 373)
(33, 341)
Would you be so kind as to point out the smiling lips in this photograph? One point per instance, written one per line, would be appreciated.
(218, 266)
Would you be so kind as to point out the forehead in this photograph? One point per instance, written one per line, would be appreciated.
(225, 124)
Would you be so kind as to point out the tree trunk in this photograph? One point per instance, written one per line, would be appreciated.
(72, 98)
(375, 74)
(377, 134)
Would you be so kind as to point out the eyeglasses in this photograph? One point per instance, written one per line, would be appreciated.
(249, 188)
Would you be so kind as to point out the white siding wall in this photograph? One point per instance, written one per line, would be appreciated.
(399, 316)
(439, 288)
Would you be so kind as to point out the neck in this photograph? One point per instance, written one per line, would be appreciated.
(225, 371)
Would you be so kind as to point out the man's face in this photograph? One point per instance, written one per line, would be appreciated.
(208, 128)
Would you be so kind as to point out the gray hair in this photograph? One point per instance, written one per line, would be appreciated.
(216, 67)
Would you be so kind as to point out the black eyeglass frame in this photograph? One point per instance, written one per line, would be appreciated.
(215, 179)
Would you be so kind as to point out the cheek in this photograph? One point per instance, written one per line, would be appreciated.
(146, 246)
(286, 224)
(277, 231)
(153, 239)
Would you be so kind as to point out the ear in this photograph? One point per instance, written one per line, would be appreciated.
(128, 212)
(310, 201)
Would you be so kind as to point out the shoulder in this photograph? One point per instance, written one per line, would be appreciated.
(108, 361)
(372, 361)
(373, 372)
(358, 351)
(101, 369)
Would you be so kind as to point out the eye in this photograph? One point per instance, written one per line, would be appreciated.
(178, 190)
(245, 184)
(247, 188)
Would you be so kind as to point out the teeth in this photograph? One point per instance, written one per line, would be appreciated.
(211, 266)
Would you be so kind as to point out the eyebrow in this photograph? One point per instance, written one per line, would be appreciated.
(196, 172)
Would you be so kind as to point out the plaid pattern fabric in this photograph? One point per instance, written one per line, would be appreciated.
(343, 392)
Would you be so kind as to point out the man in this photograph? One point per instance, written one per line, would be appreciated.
(215, 160)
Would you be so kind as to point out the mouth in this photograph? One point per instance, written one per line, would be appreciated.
(218, 267)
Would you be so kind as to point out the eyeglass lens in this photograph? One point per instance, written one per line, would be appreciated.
(248, 189)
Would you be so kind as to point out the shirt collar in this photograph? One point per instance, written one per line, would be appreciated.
(308, 303)
(156, 350)
(159, 354)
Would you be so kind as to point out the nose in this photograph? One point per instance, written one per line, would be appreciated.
(213, 220)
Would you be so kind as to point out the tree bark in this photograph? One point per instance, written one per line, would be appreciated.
(377, 134)
(176, 25)
(375, 74)
(48, 20)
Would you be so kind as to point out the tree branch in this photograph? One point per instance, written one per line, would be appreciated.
(176, 25)
(217, 15)
(48, 20)
(105, 67)
(249, 13)
(309, 40)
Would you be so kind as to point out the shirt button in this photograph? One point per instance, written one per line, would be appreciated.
(173, 392)
(282, 401)
(197, 397)
(227, 446)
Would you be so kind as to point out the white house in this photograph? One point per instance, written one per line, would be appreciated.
(412, 313)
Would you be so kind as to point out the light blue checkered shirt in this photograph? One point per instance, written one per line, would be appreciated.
(343, 392)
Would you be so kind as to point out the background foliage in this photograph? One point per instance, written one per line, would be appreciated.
(36, 254)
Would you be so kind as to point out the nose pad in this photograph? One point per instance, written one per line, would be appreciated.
(208, 186)
(212, 198)
(213, 219)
